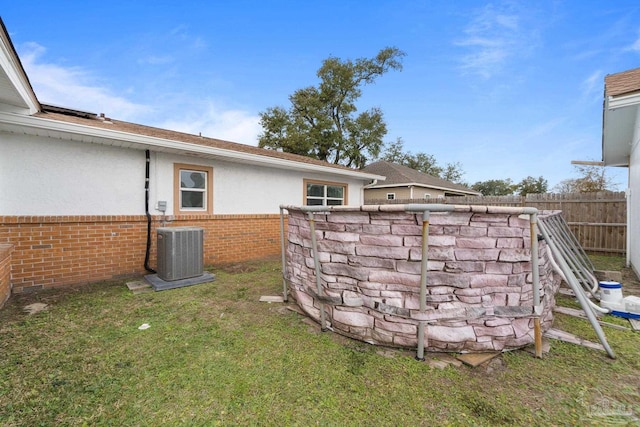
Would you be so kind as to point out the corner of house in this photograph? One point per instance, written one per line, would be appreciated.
(5, 272)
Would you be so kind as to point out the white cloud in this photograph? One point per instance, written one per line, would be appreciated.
(216, 122)
(157, 59)
(635, 46)
(78, 88)
(495, 35)
(73, 87)
(593, 85)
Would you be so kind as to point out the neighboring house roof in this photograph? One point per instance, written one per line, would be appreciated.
(403, 176)
(621, 101)
(20, 112)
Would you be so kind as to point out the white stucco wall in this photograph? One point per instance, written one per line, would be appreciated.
(41, 176)
(243, 189)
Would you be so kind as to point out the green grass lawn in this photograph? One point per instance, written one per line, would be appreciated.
(214, 355)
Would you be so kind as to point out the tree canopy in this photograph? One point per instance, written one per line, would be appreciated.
(531, 185)
(322, 121)
(495, 187)
(423, 162)
(591, 178)
(506, 187)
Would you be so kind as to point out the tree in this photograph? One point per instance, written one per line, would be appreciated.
(591, 178)
(495, 187)
(322, 121)
(531, 185)
(423, 162)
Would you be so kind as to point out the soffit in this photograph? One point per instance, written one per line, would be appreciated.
(620, 116)
(188, 145)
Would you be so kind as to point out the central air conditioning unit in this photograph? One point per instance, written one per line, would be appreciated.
(180, 253)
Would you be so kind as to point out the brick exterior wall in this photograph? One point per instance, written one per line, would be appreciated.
(54, 251)
(5, 273)
(479, 280)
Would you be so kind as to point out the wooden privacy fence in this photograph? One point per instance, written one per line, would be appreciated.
(598, 220)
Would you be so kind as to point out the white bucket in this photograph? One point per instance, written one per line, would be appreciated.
(610, 293)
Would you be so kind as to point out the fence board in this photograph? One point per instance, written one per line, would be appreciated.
(598, 220)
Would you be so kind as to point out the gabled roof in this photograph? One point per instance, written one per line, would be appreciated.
(403, 176)
(16, 94)
(20, 112)
(620, 116)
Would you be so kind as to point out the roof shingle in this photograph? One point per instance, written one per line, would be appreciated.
(171, 135)
(402, 175)
(622, 83)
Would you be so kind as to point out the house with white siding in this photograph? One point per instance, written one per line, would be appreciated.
(79, 190)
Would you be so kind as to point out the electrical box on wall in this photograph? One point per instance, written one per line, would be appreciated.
(162, 206)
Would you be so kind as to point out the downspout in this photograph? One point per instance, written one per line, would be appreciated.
(146, 210)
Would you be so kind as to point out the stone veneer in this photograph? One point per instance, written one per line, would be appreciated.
(479, 280)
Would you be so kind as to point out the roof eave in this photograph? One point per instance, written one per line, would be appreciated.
(417, 184)
(620, 119)
(11, 64)
(39, 126)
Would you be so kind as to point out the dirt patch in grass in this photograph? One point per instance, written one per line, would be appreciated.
(244, 267)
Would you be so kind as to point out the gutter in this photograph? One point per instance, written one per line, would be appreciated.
(428, 186)
(34, 125)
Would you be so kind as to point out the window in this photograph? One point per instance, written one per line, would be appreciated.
(319, 193)
(391, 196)
(193, 189)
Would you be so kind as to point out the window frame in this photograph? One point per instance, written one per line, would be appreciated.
(324, 198)
(177, 190)
(391, 196)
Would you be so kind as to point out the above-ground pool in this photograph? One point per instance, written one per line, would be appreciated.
(475, 292)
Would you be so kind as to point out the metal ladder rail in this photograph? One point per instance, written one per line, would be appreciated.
(575, 285)
(573, 242)
(571, 251)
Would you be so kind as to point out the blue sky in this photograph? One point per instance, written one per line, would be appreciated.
(508, 89)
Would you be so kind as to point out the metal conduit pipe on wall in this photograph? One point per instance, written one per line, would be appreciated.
(146, 211)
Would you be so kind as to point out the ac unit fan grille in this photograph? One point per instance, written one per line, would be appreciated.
(180, 252)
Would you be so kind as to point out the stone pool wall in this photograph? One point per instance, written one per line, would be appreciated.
(479, 281)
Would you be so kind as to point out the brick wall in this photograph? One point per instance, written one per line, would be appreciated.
(479, 281)
(53, 251)
(5, 272)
